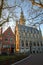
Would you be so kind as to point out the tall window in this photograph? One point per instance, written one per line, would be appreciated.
(30, 43)
(22, 43)
(34, 44)
(41, 44)
(26, 43)
(8, 33)
(30, 46)
(11, 39)
(37, 43)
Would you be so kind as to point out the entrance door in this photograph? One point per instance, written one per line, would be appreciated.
(12, 50)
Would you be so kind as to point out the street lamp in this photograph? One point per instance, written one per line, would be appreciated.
(30, 47)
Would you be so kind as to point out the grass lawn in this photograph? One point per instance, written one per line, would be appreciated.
(9, 59)
(17, 57)
(6, 57)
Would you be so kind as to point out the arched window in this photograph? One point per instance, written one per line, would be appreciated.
(41, 44)
(26, 43)
(33, 51)
(37, 43)
(34, 44)
(30, 43)
(30, 46)
(22, 43)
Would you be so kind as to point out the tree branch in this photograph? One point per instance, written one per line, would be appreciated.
(36, 16)
(35, 3)
(7, 20)
(1, 7)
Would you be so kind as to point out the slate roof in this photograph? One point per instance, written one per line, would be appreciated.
(27, 28)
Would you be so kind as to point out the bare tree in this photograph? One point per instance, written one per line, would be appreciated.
(12, 8)
(9, 8)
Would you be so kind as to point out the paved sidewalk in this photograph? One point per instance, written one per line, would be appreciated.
(35, 59)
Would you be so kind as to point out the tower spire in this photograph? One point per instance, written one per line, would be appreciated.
(22, 19)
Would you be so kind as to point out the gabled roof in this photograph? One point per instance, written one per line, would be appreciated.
(8, 29)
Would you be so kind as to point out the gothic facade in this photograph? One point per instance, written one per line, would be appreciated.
(28, 39)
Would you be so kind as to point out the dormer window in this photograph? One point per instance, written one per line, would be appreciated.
(11, 39)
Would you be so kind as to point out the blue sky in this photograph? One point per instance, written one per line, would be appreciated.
(27, 10)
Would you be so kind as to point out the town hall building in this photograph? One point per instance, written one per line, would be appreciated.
(28, 38)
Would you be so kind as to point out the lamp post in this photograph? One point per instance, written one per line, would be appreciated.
(30, 47)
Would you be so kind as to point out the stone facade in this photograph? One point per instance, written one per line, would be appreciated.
(28, 39)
